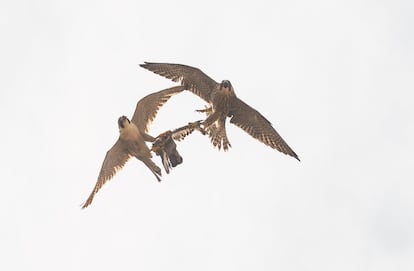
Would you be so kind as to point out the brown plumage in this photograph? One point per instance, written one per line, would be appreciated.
(132, 137)
(165, 147)
(223, 103)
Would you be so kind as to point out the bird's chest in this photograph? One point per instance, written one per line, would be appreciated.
(137, 147)
(130, 133)
(132, 137)
(221, 103)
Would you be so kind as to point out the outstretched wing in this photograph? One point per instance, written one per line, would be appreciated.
(114, 161)
(147, 108)
(192, 78)
(258, 127)
(180, 133)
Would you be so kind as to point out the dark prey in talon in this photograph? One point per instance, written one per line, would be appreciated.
(132, 137)
(223, 104)
(165, 147)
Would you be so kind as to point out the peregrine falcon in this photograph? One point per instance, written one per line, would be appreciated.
(132, 137)
(223, 103)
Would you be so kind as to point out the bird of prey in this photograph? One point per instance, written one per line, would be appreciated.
(132, 136)
(223, 103)
(165, 147)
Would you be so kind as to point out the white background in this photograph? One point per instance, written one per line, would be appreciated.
(334, 77)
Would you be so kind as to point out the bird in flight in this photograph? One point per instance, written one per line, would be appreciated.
(132, 136)
(223, 103)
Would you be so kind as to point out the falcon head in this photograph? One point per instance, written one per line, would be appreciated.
(122, 122)
(226, 87)
(225, 84)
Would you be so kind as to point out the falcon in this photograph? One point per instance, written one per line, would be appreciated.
(132, 136)
(223, 103)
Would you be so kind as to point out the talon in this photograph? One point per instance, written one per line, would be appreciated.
(197, 125)
(202, 131)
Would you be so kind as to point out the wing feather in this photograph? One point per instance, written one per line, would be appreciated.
(255, 124)
(192, 78)
(147, 108)
(114, 161)
(180, 133)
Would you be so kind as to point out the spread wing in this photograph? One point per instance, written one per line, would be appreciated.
(258, 127)
(192, 78)
(180, 133)
(147, 108)
(114, 161)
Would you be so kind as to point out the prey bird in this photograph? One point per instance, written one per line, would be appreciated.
(132, 136)
(165, 147)
(223, 103)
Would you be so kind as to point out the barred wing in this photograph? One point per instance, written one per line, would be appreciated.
(192, 78)
(255, 124)
(147, 108)
(114, 161)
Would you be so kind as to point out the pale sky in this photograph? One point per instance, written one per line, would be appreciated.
(334, 77)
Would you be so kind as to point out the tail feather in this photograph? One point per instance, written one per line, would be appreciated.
(153, 167)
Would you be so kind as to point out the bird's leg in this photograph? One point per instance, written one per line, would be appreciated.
(197, 126)
(148, 138)
(205, 110)
(211, 119)
(212, 116)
